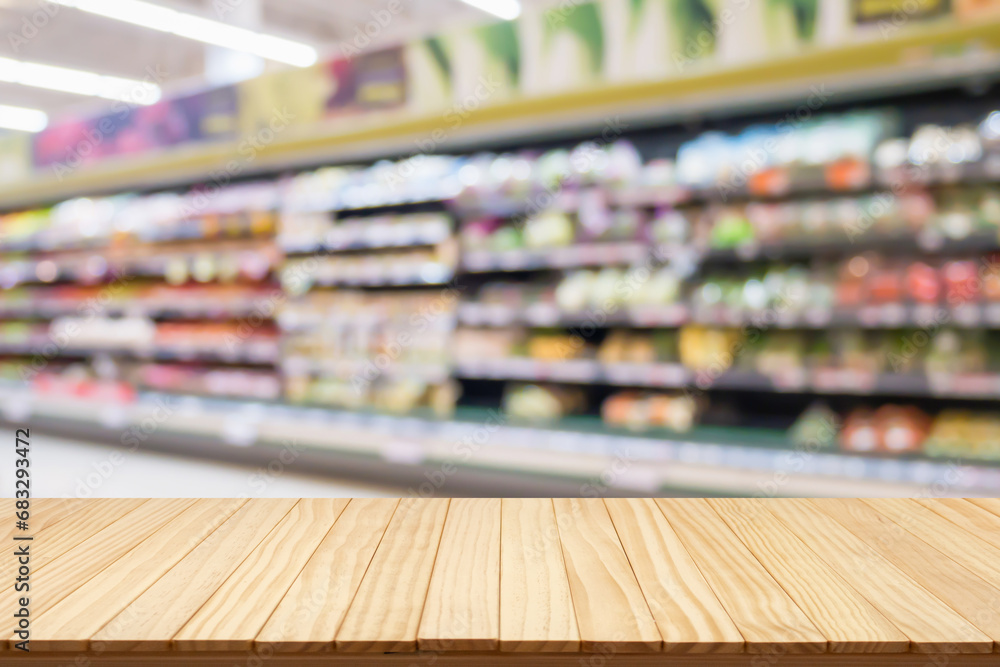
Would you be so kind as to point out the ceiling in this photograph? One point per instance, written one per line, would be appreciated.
(71, 38)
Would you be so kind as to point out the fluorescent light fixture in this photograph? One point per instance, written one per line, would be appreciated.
(78, 82)
(165, 19)
(508, 10)
(25, 120)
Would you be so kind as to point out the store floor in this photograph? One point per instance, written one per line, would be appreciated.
(76, 468)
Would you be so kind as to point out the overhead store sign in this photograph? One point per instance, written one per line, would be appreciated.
(548, 49)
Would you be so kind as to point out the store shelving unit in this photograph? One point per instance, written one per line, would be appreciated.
(355, 243)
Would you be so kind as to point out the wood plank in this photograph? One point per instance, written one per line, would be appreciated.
(237, 611)
(958, 544)
(536, 609)
(70, 623)
(768, 619)
(308, 617)
(188, 576)
(687, 612)
(611, 611)
(385, 613)
(59, 537)
(462, 609)
(463, 659)
(849, 622)
(962, 513)
(151, 620)
(931, 625)
(45, 512)
(991, 505)
(960, 589)
(76, 566)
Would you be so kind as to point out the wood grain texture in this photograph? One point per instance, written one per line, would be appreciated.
(514, 582)
(956, 586)
(961, 546)
(45, 512)
(462, 608)
(70, 623)
(768, 619)
(237, 611)
(611, 610)
(989, 504)
(849, 622)
(308, 616)
(931, 625)
(151, 620)
(497, 659)
(77, 565)
(687, 612)
(536, 608)
(971, 517)
(386, 611)
(56, 539)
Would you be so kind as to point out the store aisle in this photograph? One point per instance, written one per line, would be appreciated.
(77, 468)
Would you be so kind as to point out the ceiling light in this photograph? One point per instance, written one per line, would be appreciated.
(164, 19)
(78, 82)
(508, 10)
(25, 120)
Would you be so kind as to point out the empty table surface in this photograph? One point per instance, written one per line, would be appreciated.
(532, 582)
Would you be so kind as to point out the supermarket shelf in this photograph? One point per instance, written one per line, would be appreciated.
(367, 204)
(416, 240)
(212, 312)
(133, 242)
(364, 369)
(675, 376)
(578, 255)
(437, 275)
(246, 354)
(888, 315)
(841, 178)
(95, 270)
(924, 243)
(856, 70)
(628, 253)
(513, 458)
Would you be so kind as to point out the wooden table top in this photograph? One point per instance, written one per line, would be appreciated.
(512, 581)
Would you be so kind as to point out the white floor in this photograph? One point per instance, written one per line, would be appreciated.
(80, 469)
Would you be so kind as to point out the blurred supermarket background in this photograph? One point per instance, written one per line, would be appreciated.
(503, 247)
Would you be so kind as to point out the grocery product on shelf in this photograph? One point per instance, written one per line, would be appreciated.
(202, 380)
(400, 395)
(645, 411)
(965, 434)
(301, 232)
(423, 266)
(816, 428)
(541, 404)
(347, 332)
